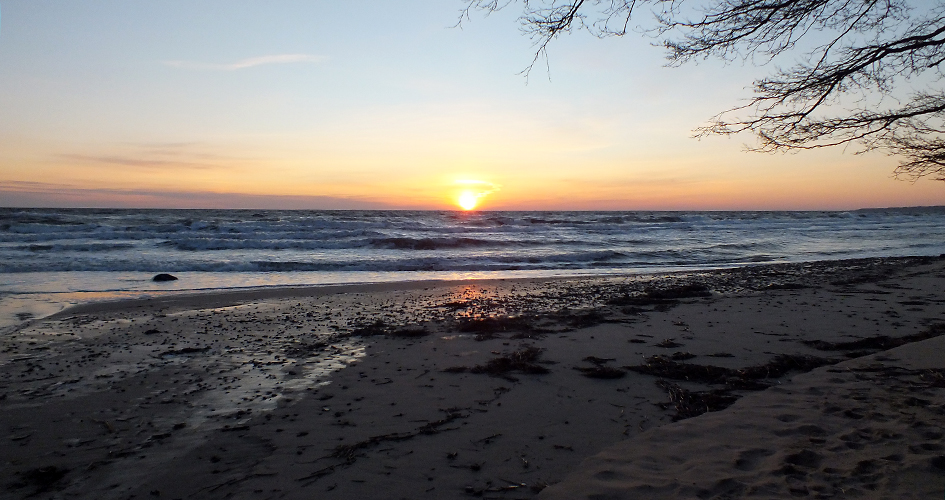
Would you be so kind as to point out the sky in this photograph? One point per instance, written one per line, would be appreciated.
(311, 104)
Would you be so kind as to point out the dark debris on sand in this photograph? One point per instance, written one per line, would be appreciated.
(347, 454)
(491, 327)
(926, 377)
(933, 377)
(529, 325)
(750, 378)
(690, 404)
(583, 319)
(662, 297)
(524, 360)
(599, 370)
(594, 360)
(878, 342)
(669, 344)
(379, 327)
(305, 349)
(185, 351)
(409, 331)
(788, 276)
(40, 479)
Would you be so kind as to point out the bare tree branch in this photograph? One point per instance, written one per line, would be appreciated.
(865, 53)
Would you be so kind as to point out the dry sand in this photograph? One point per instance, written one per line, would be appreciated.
(453, 390)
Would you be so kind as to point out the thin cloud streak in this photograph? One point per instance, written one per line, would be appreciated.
(480, 188)
(25, 194)
(135, 162)
(247, 63)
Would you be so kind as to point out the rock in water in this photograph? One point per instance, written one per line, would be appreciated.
(164, 277)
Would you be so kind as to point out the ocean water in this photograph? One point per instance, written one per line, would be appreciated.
(50, 258)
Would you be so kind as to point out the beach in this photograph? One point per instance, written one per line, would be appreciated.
(824, 379)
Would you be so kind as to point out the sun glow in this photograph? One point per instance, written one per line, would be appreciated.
(472, 192)
(468, 200)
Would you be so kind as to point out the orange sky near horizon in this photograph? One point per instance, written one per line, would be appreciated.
(197, 176)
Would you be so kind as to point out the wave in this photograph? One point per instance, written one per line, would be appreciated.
(217, 244)
(404, 243)
(33, 240)
(78, 247)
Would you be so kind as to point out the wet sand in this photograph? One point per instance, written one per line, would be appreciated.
(565, 388)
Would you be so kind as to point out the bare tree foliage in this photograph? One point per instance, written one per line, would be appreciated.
(870, 71)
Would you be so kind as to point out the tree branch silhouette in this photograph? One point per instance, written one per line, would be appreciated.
(869, 71)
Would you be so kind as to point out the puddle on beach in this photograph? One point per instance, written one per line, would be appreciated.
(241, 377)
(255, 383)
(259, 383)
(19, 308)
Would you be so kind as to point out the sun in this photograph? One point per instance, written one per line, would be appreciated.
(468, 200)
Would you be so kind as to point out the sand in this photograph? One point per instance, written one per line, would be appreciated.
(482, 389)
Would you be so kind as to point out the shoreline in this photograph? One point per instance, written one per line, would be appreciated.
(493, 388)
(231, 296)
(17, 305)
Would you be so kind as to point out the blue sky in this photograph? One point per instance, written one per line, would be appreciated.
(377, 104)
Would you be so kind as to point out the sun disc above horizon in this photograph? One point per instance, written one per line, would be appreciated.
(467, 200)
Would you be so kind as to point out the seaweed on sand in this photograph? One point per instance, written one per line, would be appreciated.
(410, 331)
(786, 286)
(934, 377)
(662, 366)
(583, 319)
(493, 324)
(687, 291)
(379, 327)
(783, 363)
(184, 351)
(490, 327)
(349, 453)
(602, 372)
(669, 344)
(599, 370)
(594, 360)
(524, 360)
(745, 378)
(457, 305)
(304, 349)
(41, 478)
(878, 342)
(662, 296)
(690, 404)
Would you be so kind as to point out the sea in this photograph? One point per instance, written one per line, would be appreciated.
(53, 258)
